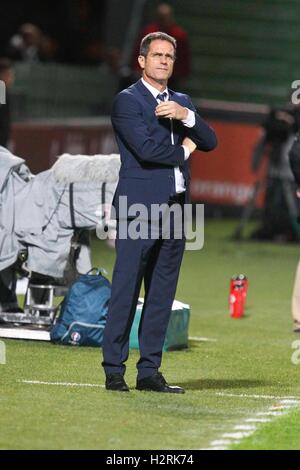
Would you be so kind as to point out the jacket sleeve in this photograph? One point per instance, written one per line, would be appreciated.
(130, 126)
(201, 134)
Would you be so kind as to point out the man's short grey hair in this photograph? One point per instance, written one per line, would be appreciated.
(146, 41)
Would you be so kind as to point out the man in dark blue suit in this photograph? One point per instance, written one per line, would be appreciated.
(156, 129)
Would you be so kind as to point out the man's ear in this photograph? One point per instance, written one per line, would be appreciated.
(141, 61)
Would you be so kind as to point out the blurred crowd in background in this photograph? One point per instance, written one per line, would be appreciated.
(74, 32)
(64, 31)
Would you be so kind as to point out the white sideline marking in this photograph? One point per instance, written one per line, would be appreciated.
(270, 413)
(267, 397)
(222, 442)
(202, 338)
(245, 427)
(64, 384)
(286, 407)
(258, 420)
(290, 402)
(236, 435)
(249, 427)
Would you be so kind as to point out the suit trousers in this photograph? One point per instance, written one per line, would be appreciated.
(157, 262)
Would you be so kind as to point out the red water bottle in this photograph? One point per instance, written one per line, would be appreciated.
(237, 295)
(237, 302)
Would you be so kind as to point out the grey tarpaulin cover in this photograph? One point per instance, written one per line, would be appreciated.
(40, 212)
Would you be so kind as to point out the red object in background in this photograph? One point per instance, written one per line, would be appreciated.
(224, 175)
(40, 143)
(237, 295)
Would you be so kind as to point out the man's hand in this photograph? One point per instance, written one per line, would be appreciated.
(171, 110)
(190, 144)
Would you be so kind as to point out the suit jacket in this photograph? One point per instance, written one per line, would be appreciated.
(148, 157)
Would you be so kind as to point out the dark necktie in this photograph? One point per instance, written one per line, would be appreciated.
(162, 96)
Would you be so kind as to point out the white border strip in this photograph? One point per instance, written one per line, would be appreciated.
(249, 426)
(63, 384)
(202, 338)
(267, 397)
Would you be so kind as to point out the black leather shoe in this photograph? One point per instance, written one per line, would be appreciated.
(157, 383)
(116, 382)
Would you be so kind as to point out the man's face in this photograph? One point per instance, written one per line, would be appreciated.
(158, 65)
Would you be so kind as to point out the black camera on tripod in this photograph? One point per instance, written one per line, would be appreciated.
(279, 217)
(294, 156)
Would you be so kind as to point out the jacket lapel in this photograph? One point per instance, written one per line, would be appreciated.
(174, 97)
(146, 93)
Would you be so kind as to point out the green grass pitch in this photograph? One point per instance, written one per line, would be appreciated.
(245, 373)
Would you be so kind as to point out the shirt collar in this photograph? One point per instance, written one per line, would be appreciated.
(153, 90)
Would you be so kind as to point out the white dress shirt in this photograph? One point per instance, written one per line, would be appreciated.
(188, 122)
